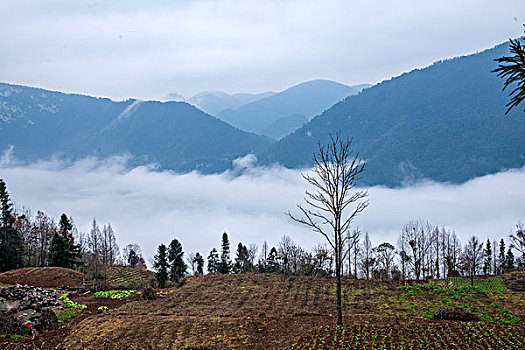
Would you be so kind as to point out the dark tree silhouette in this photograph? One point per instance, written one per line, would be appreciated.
(225, 265)
(176, 260)
(200, 263)
(509, 261)
(11, 241)
(63, 251)
(487, 263)
(242, 260)
(330, 209)
(213, 261)
(161, 265)
(133, 258)
(501, 257)
(512, 69)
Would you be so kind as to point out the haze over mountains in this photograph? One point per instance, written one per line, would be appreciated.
(282, 113)
(269, 113)
(445, 122)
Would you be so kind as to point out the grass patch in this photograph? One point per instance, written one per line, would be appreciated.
(69, 314)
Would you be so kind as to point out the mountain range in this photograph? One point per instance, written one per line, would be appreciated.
(280, 114)
(175, 135)
(214, 102)
(445, 122)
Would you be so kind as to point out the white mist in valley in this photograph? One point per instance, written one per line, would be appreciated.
(152, 207)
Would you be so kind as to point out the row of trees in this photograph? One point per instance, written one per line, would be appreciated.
(39, 243)
(27, 240)
(422, 251)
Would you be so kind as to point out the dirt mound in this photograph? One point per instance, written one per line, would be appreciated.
(515, 281)
(9, 324)
(48, 277)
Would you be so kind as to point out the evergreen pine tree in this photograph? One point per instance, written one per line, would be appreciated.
(242, 260)
(509, 261)
(63, 251)
(7, 218)
(200, 263)
(11, 241)
(161, 265)
(487, 263)
(501, 257)
(213, 261)
(272, 265)
(225, 265)
(176, 260)
(133, 258)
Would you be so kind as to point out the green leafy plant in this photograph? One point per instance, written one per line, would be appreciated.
(116, 294)
(71, 304)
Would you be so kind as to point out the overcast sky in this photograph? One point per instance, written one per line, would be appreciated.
(148, 49)
(152, 207)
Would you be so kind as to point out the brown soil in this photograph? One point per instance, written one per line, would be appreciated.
(130, 278)
(515, 281)
(247, 311)
(48, 277)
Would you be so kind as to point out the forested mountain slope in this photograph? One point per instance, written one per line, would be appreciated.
(445, 122)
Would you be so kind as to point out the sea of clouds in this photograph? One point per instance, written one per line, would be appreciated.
(150, 207)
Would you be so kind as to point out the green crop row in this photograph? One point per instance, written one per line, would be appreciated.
(69, 303)
(116, 294)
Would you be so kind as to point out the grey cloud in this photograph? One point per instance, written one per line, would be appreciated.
(148, 49)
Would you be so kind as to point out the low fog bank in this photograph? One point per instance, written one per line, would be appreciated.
(150, 207)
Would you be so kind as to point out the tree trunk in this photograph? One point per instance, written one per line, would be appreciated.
(338, 292)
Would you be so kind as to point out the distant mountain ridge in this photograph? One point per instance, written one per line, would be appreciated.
(306, 99)
(41, 123)
(445, 122)
(214, 102)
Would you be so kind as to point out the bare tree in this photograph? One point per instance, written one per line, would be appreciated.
(353, 249)
(252, 253)
(95, 246)
(472, 257)
(402, 248)
(285, 250)
(192, 262)
(517, 241)
(385, 253)
(367, 257)
(330, 210)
